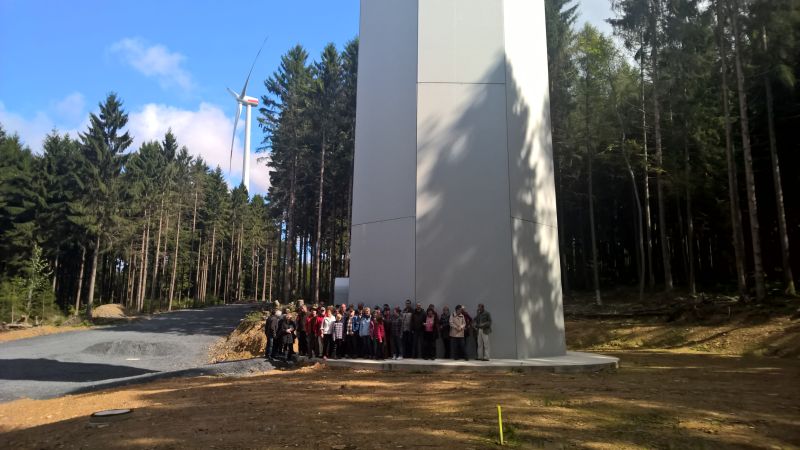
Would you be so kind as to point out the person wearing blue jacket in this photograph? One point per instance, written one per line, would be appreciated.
(365, 341)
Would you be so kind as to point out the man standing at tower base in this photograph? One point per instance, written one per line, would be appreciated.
(483, 324)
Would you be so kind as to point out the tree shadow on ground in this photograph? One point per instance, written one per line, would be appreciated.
(654, 401)
(214, 321)
(52, 370)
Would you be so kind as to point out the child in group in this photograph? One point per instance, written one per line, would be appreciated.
(378, 334)
(429, 328)
(338, 336)
(351, 334)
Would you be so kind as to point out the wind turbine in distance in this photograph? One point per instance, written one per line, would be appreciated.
(244, 100)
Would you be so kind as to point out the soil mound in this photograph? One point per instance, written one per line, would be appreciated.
(247, 341)
(111, 311)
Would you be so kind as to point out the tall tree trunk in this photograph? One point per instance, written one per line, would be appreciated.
(290, 241)
(198, 276)
(194, 223)
(272, 254)
(211, 263)
(146, 254)
(239, 282)
(158, 250)
(788, 278)
(175, 260)
(93, 276)
(733, 181)
(689, 213)
(264, 277)
(318, 238)
(590, 157)
(255, 273)
(595, 267)
(750, 181)
(55, 270)
(648, 222)
(662, 213)
(639, 232)
(80, 281)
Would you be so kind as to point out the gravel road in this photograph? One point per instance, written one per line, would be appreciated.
(57, 364)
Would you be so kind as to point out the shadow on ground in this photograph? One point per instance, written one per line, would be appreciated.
(656, 400)
(52, 370)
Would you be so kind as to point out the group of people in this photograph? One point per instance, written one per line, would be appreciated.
(358, 331)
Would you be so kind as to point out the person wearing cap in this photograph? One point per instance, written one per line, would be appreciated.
(457, 326)
(483, 323)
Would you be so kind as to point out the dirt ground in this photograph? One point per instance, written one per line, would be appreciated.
(13, 335)
(655, 400)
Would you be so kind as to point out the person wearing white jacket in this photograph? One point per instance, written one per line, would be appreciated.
(327, 332)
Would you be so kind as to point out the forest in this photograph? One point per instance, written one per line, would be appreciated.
(674, 140)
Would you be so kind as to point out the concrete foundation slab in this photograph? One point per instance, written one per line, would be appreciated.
(572, 362)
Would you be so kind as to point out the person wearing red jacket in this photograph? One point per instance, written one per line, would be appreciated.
(377, 332)
(311, 320)
(318, 330)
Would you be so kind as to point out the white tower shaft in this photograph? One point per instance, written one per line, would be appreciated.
(246, 158)
(455, 180)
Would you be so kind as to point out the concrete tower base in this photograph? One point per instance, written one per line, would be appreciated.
(454, 199)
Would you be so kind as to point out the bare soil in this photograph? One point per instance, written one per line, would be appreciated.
(719, 380)
(655, 400)
(43, 330)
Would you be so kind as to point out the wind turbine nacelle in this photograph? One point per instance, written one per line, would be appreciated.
(251, 101)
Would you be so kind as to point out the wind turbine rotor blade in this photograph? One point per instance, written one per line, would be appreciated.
(234, 94)
(247, 80)
(233, 138)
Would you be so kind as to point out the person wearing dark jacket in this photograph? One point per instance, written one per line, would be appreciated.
(286, 336)
(271, 330)
(417, 329)
(444, 330)
(483, 324)
(302, 338)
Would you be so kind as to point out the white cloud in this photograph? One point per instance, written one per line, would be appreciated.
(206, 132)
(66, 115)
(71, 107)
(155, 61)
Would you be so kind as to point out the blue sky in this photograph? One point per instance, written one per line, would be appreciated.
(170, 62)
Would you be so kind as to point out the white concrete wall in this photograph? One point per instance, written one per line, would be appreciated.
(454, 199)
(537, 269)
(384, 193)
(463, 218)
(386, 125)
